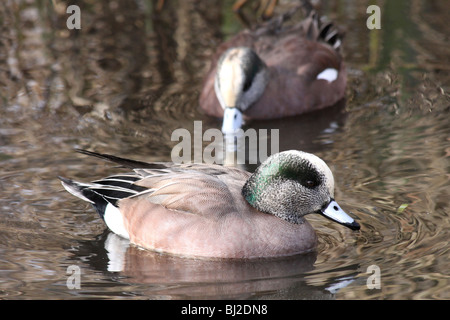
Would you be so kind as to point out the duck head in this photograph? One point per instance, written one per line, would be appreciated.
(291, 184)
(240, 81)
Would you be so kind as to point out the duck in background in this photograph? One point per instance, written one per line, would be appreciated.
(275, 71)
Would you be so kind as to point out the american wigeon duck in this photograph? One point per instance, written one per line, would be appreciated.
(275, 71)
(204, 210)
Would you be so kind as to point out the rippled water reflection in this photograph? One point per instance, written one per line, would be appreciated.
(130, 77)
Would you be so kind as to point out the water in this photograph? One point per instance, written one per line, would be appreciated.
(129, 77)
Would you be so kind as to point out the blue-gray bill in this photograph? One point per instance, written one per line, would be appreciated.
(232, 120)
(334, 212)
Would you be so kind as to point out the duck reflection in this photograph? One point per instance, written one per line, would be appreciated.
(310, 132)
(167, 276)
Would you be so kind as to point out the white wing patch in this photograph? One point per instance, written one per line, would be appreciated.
(329, 74)
(114, 221)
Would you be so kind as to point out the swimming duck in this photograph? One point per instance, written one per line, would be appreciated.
(275, 71)
(211, 211)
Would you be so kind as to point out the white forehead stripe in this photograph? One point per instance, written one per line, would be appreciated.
(230, 77)
(329, 74)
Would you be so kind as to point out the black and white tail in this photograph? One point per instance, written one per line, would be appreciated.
(315, 26)
(104, 194)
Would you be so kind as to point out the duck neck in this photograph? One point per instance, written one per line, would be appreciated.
(256, 186)
(262, 192)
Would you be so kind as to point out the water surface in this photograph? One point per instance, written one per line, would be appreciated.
(131, 76)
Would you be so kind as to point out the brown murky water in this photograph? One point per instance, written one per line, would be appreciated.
(131, 76)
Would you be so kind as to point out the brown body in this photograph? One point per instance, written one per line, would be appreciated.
(204, 215)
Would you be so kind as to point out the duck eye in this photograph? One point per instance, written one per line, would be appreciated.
(311, 184)
(247, 85)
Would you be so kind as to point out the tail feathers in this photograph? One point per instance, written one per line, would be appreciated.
(76, 188)
(104, 199)
(106, 191)
(331, 34)
(319, 28)
(84, 192)
(128, 163)
(314, 27)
